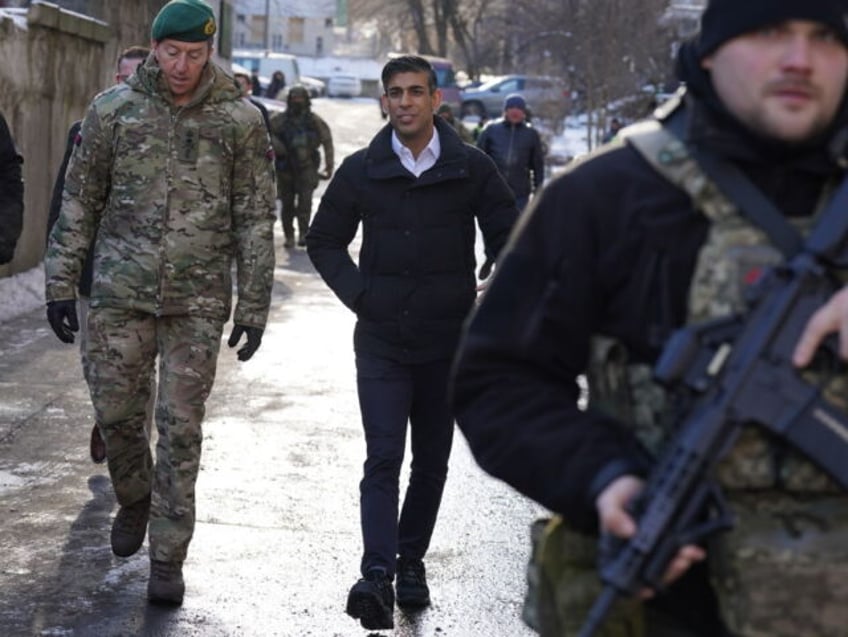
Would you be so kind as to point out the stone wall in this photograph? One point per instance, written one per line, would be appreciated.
(53, 63)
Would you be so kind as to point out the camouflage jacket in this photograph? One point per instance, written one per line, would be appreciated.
(174, 194)
(296, 140)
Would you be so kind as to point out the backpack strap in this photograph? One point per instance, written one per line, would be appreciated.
(716, 187)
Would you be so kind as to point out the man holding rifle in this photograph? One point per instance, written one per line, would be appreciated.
(674, 227)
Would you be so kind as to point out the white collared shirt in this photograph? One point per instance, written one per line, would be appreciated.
(426, 158)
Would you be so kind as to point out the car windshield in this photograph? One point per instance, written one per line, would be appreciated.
(485, 86)
(445, 77)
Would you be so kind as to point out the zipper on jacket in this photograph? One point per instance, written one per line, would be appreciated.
(169, 174)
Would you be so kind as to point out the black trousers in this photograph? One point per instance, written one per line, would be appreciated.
(390, 395)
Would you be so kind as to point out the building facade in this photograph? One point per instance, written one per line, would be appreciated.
(299, 27)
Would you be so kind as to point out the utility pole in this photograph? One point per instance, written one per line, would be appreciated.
(267, 25)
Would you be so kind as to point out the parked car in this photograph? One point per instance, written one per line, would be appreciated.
(344, 86)
(547, 97)
(265, 63)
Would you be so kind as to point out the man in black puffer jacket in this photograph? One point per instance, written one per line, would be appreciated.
(516, 148)
(418, 192)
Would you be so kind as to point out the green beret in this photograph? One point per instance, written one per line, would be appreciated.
(184, 20)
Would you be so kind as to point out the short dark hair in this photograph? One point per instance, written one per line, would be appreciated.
(132, 53)
(408, 64)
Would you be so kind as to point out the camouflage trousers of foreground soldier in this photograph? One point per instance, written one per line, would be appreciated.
(781, 572)
(122, 350)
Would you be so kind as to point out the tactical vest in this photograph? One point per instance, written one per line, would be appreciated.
(301, 138)
(776, 494)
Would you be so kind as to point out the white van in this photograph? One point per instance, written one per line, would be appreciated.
(264, 63)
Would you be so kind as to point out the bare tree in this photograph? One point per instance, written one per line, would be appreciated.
(606, 50)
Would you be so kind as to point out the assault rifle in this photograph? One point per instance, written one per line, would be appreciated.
(740, 373)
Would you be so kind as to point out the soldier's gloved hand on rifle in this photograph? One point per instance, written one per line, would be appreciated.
(613, 518)
(831, 318)
(254, 340)
(62, 316)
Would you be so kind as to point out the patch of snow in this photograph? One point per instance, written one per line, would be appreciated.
(21, 293)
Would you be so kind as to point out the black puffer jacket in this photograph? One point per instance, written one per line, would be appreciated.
(517, 151)
(414, 283)
(11, 194)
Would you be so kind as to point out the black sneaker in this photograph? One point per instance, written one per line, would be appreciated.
(372, 601)
(129, 528)
(411, 585)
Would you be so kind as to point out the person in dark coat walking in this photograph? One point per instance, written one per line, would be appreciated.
(277, 84)
(417, 191)
(516, 148)
(11, 194)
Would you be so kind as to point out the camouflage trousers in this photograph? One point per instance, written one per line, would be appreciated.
(563, 584)
(781, 572)
(122, 349)
(295, 194)
(83, 341)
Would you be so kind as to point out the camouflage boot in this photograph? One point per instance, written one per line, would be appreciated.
(166, 585)
(129, 527)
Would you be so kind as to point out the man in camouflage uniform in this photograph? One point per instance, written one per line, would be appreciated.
(296, 134)
(173, 172)
(616, 254)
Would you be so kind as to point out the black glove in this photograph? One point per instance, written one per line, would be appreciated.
(485, 269)
(254, 340)
(62, 316)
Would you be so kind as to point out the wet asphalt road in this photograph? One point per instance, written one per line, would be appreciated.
(277, 542)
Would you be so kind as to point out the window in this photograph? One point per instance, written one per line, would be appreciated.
(510, 86)
(296, 29)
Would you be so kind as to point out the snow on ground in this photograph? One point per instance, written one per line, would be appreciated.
(21, 293)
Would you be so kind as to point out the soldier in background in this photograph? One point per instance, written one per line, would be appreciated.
(172, 200)
(11, 194)
(445, 111)
(296, 135)
(243, 82)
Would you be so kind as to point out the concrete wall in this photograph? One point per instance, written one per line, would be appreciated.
(53, 63)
